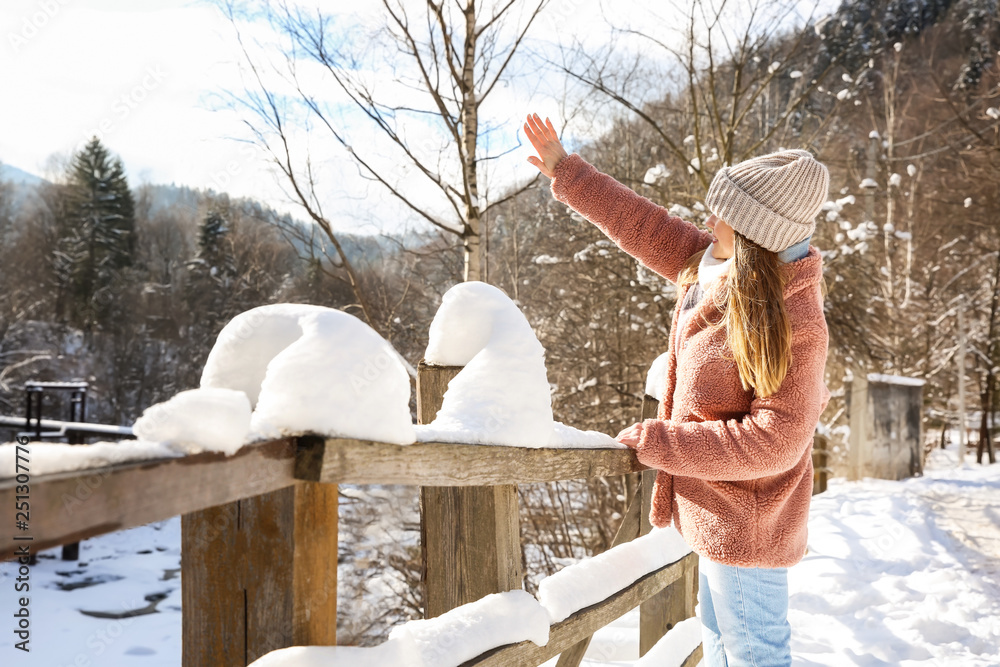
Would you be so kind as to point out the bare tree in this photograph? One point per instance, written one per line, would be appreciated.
(450, 57)
(732, 84)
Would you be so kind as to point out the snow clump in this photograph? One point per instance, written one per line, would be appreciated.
(196, 420)
(311, 369)
(52, 457)
(501, 396)
(655, 174)
(656, 378)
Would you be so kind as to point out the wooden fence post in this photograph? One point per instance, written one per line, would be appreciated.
(859, 447)
(259, 574)
(820, 460)
(676, 602)
(470, 536)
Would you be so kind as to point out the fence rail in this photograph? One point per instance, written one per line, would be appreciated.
(259, 533)
(85, 503)
(567, 634)
(56, 428)
(264, 519)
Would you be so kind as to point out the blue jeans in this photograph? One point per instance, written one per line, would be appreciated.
(744, 615)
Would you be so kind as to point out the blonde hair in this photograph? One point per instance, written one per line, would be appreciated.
(758, 332)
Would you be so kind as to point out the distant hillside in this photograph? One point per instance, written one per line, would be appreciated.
(195, 202)
(21, 186)
(360, 247)
(14, 175)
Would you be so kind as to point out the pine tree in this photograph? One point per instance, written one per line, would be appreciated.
(99, 241)
(211, 276)
(211, 239)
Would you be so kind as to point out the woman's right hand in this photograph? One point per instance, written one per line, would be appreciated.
(546, 143)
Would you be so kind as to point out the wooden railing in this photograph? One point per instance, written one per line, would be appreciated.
(259, 533)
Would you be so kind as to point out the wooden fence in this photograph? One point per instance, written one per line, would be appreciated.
(259, 533)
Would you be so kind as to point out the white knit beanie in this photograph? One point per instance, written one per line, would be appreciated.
(772, 199)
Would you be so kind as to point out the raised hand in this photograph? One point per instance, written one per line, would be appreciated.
(546, 142)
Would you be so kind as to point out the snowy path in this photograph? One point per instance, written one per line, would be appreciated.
(890, 580)
(962, 516)
(972, 518)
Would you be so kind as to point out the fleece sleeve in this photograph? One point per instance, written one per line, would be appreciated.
(769, 440)
(645, 230)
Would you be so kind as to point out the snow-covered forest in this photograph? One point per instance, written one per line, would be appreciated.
(127, 287)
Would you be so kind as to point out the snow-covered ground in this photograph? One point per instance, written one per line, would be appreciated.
(898, 573)
(73, 605)
(902, 573)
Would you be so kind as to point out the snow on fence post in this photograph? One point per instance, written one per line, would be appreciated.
(676, 602)
(259, 574)
(470, 536)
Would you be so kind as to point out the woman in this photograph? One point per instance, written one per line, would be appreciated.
(745, 387)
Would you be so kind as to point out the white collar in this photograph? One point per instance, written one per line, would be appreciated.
(710, 268)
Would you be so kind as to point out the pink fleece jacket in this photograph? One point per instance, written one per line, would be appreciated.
(734, 470)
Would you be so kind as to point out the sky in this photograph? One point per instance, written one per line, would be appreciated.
(140, 76)
(151, 78)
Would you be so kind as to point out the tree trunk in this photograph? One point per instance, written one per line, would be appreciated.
(470, 131)
(985, 432)
(990, 391)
